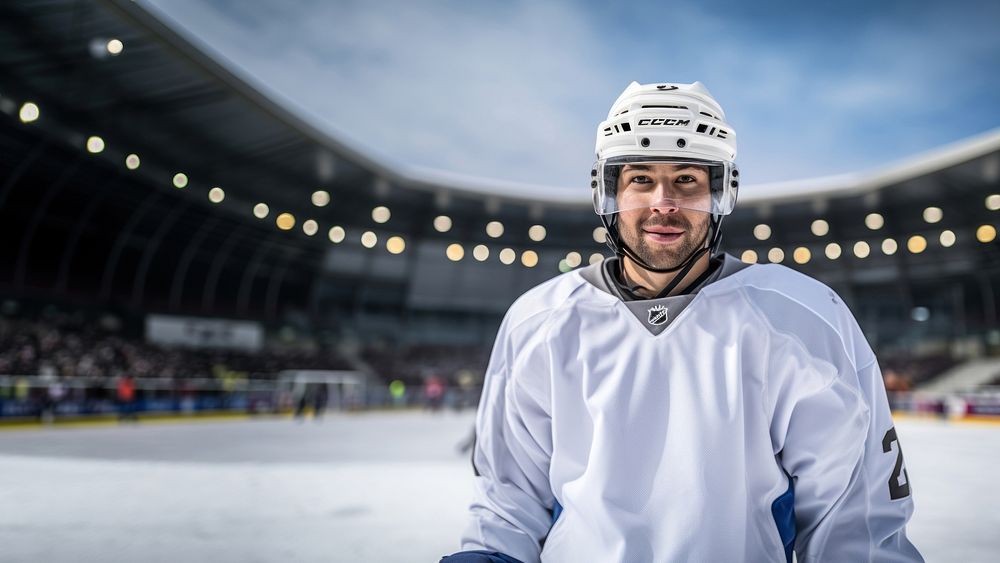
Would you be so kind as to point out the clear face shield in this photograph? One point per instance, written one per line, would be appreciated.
(641, 182)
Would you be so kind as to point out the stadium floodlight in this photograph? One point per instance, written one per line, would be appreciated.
(600, 235)
(801, 255)
(596, 257)
(95, 144)
(529, 258)
(261, 210)
(381, 214)
(507, 256)
(395, 245)
(368, 239)
(762, 232)
(986, 233)
(481, 252)
(454, 252)
(574, 259)
(933, 214)
(337, 234)
(285, 221)
(132, 161)
(115, 47)
(833, 251)
(494, 229)
(749, 256)
(820, 227)
(180, 180)
(993, 202)
(874, 221)
(216, 195)
(310, 227)
(916, 244)
(861, 249)
(29, 112)
(947, 238)
(442, 223)
(564, 267)
(320, 198)
(537, 233)
(776, 255)
(889, 247)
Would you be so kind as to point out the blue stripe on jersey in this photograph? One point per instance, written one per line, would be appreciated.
(783, 510)
(479, 556)
(556, 511)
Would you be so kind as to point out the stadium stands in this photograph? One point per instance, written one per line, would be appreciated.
(160, 181)
(68, 347)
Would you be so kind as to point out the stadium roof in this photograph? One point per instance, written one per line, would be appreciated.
(180, 110)
(871, 180)
(209, 102)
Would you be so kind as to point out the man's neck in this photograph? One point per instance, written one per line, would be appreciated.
(652, 283)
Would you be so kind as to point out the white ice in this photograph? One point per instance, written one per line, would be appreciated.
(381, 487)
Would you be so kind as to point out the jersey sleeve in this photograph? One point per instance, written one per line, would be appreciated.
(851, 489)
(512, 503)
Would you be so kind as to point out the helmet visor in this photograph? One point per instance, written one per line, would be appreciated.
(641, 182)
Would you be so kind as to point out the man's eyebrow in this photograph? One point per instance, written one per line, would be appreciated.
(637, 167)
(695, 166)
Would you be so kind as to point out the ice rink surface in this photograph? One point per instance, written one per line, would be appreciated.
(382, 487)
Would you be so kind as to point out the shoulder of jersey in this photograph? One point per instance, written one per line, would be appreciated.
(545, 297)
(795, 287)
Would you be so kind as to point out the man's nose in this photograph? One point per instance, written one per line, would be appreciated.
(663, 203)
(668, 207)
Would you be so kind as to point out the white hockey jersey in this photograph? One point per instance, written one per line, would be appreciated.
(757, 420)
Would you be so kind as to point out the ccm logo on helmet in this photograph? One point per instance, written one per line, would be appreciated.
(664, 121)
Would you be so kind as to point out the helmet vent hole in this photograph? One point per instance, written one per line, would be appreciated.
(681, 143)
(644, 142)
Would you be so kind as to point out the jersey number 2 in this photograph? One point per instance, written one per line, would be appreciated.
(897, 490)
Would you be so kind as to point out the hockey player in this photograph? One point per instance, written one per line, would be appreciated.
(672, 403)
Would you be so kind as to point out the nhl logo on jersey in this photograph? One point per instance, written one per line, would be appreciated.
(657, 315)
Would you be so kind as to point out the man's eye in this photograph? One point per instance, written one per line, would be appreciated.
(686, 178)
(639, 179)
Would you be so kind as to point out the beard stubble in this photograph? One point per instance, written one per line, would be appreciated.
(656, 255)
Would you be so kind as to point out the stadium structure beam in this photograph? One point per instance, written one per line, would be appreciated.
(18, 172)
(989, 300)
(20, 271)
(150, 248)
(215, 270)
(121, 240)
(274, 283)
(190, 251)
(250, 274)
(81, 221)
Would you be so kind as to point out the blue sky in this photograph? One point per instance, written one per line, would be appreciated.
(514, 90)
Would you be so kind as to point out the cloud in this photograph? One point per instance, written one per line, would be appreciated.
(489, 93)
(514, 90)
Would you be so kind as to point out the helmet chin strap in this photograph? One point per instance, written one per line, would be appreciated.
(619, 247)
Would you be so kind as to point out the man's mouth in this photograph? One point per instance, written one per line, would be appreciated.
(662, 234)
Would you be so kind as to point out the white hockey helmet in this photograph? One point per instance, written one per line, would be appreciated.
(665, 123)
(671, 124)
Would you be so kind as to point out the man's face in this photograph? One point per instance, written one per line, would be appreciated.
(655, 222)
